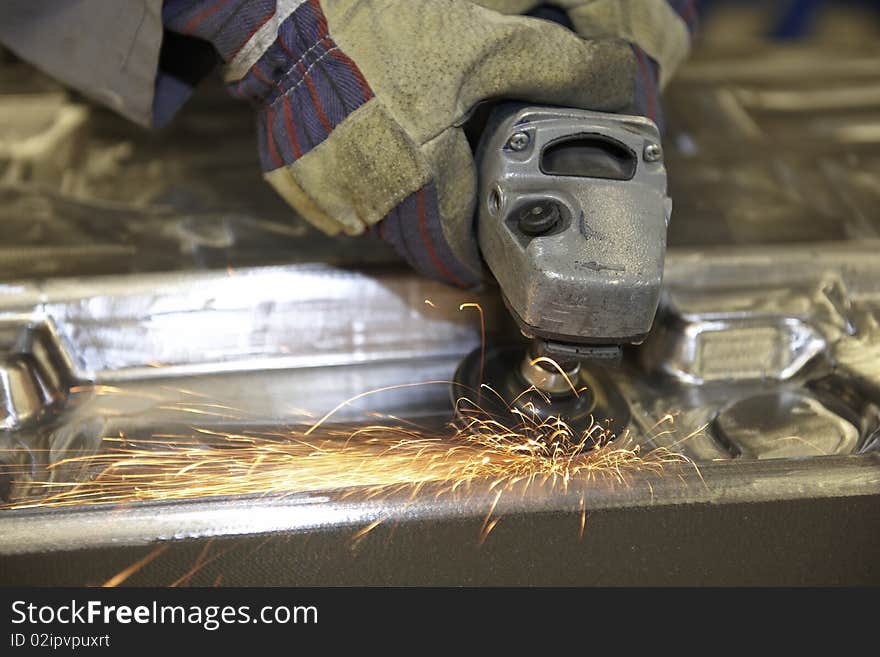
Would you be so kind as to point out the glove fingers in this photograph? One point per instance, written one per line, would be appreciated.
(653, 25)
(541, 62)
(431, 61)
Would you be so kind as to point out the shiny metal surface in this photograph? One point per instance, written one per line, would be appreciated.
(53, 531)
(84, 193)
(34, 372)
(781, 424)
(748, 332)
(176, 324)
(172, 341)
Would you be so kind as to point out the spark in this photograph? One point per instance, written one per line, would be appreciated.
(366, 530)
(490, 522)
(201, 561)
(127, 572)
(806, 442)
(348, 401)
(507, 452)
(667, 417)
(582, 503)
(388, 456)
(196, 567)
(95, 389)
(479, 309)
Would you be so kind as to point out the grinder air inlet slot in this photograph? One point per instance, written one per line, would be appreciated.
(589, 156)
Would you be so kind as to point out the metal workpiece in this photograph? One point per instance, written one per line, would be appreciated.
(760, 427)
(798, 420)
(743, 333)
(768, 313)
(60, 531)
(175, 324)
(35, 373)
(261, 366)
(572, 222)
(772, 356)
(258, 374)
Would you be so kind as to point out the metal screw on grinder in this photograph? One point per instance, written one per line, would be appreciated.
(519, 141)
(653, 152)
(539, 217)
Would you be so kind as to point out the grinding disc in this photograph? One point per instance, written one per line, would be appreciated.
(599, 401)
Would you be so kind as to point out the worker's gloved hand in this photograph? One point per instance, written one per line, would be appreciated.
(361, 103)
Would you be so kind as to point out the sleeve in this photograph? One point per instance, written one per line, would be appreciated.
(660, 51)
(281, 58)
(107, 50)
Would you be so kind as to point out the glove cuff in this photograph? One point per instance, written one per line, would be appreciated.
(282, 59)
(415, 231)
(646, 92)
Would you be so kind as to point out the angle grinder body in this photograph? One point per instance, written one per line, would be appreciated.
(572, 217)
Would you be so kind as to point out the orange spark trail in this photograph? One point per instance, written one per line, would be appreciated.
(124, 574)
(388, 456)
(479, 309)
(372, 459)
(348, 401)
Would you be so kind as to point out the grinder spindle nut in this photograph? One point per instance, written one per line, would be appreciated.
(539, 217)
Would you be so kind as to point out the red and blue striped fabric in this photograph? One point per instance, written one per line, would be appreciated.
(414, 229)
(227, 24)
(646, 95)
(306, 84)
(303, 85)
(687, 9)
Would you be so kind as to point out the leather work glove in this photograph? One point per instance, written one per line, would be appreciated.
(361, 103)
(658, 29)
